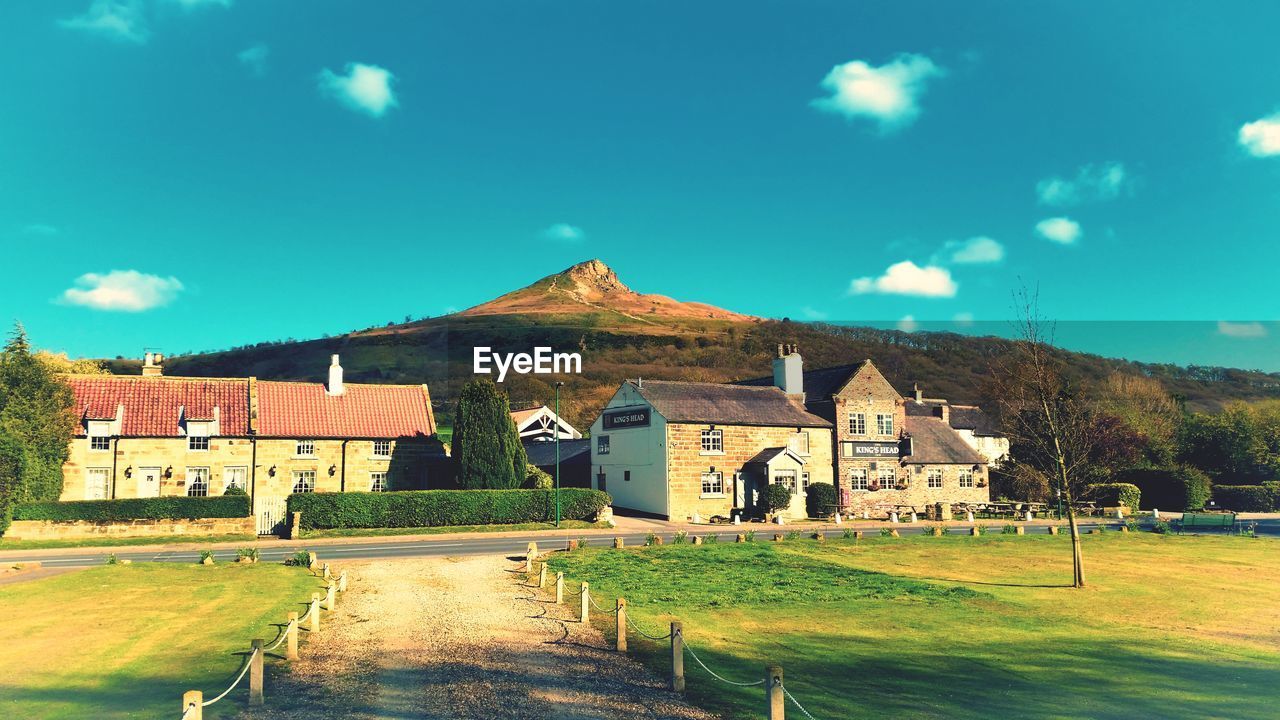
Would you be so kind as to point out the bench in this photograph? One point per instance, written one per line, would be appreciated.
(1207, 520)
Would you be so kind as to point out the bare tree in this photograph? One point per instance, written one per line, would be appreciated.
(1048, 424)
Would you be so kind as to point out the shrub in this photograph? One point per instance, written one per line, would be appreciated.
(680, 538)
(650, 540)
(711, 539)
(206, 555)
(749, 536)
(777, 497)
(886, 532)
(112, 559)
(537, 479)
(1009, 529)
(820, 499)
(234, 490)
(168, 507)
(1245, 498)
(1161, 527)
(433, 508)
(1115, 494)
(251, 553)
(793, 535)
(299, 558)
(1174, 488)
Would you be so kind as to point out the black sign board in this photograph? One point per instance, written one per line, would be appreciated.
(622, 419)
(874, 449)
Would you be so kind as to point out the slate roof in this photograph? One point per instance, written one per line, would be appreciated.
(962, 417)
(543, 453)
(768, 454)
(934, 442)
(727, 404)
(155, 407)
(298, 409)
(819, 384)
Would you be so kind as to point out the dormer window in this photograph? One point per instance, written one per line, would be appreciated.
(306, 448)
(99, 436)
(197, 436)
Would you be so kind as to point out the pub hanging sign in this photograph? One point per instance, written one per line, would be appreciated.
(623, 419)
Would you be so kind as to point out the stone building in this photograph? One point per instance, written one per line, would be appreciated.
(540, 424)
(683, 449)
(973, 425)
(154, 435)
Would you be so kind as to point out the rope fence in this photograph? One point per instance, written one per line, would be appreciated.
(193, 702)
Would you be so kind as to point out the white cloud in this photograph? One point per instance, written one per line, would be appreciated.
(1241, 329)
(564, 232)
(1060, 230)
(122, 290)
(39, 229)
(908, 324)
(1092, 183)
(121, 21)
(907, 278)
(364, 88)
(1261, 138)
(254, 58)
(975, 250)
(888, 94)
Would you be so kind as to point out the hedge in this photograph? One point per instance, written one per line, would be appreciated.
(820, 499)
(1175, 488)
(434, 508)
(1115, 494)
(1246, 498)
(170, 507)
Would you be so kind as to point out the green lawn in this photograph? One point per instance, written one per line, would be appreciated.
(961, 627)
(125, 641)
(113, 542)
(378, 532)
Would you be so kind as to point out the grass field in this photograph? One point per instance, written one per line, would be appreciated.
(960, 627)
(125, 641)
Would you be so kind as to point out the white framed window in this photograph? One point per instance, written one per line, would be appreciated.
(804, 482)
(377, 482)
(712, 441)
(887, 478)
(786, 477)
(197, 481)
(236, 477)
(858, 479)
(966, 478)
(884, 424)
(97, 481)
(304, 481)
(799, 443)
(712, 484)
(602, 445)
(99, 436)
(382, 448)
(934, 477)
(305, 448)
(198, 436)
(857, 423)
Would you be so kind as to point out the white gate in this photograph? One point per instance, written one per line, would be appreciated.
(270, 512)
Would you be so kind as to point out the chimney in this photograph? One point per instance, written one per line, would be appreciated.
(152, 365)
(944, 412)
(335, 378)
(788, 370)
(919, 393)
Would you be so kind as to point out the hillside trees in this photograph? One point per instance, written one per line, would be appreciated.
(486, 446)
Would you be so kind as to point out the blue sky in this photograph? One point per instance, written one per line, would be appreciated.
(192, 174)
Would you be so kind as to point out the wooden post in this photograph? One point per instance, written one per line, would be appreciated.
(315, 614)
(1020, 530)
(573, 545)
(777, 537)
(697, 540)
(677, 656)
(331, 593)
(342, 582)
(1053, 529)
(291, 643)
(622, 624)
(528, 562)
(617, 543)
(327, 574)
(532, 548)
(191, 701)
(311, 561)
(559, 588)
(255, 674)
(741, 538)
(975, 531)
(542, 576)
(857, 534)
(585, 600)
(893, 532)
(775, 702)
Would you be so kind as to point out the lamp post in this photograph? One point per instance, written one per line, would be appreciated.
(559, 385)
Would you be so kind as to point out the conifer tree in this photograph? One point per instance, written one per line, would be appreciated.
(486, 445)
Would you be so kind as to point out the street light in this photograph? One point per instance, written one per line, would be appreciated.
(558, 386)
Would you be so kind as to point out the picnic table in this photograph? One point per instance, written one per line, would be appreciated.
(1207, 520)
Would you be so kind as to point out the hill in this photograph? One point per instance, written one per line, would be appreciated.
(624, 334)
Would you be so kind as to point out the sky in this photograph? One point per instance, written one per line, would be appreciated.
(199, 174)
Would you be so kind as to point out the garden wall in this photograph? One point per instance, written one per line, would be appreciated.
(88, 529)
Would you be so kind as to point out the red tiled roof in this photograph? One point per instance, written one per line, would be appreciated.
(296, 409)
(154, 407)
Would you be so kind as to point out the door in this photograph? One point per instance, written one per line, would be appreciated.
(149, 482)
(95, 483)
(270, 513)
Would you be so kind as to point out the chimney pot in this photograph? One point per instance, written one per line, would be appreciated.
(335, 378)
(788, 370)
(919, 393)
(151, 364)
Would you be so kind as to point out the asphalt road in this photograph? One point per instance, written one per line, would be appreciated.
(478, 544)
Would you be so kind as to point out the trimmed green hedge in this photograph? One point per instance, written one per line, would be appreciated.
(1176, 488)
(170, 507)
(1114, 494)
(434, 508)
(1246, 498)
(820, 499)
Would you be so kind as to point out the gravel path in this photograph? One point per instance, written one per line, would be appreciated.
(460, 638)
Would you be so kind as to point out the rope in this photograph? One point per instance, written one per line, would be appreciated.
(713, 673)
(793, 699)
(597, 606)
(636, 627)
(188, 711)
(282, 637)
(248, 661)
(307, 614)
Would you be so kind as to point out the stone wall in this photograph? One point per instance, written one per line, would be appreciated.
(82, 529)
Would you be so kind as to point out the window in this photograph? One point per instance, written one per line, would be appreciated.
(197, 481)
(966, 478)
(99, 436)
(382, 448)
(306, 448)
(857, 424)
(378, 482)
(712, 441)
(304, 481)
(884, 424)
(785, 477)
(602, 445)
(626, 476)
(799, 443)
(96, 482)
(888, 478)
(935, 477)
(712, 484)
(858, 479)
(804, 482)
(236, 477)
(198, 436)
